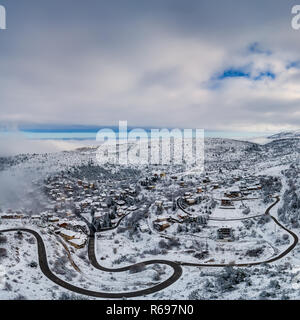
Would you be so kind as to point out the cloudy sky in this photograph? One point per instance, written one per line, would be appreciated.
(219, 65)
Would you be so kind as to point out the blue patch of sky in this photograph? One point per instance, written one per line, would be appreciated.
(265, 74)
(71, 135)
(243, 73)
(89, 132)
(294, 64)
(234, 73)
(256, 48)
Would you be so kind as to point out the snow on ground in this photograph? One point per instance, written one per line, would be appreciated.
(255, 239)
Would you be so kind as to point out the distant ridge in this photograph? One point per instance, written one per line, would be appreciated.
(285, 135)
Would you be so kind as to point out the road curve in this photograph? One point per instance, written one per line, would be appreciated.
(280, 256)
(42, 256)
(220, 219)
(175, 276)
(93, 260)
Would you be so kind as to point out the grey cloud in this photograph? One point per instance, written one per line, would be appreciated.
(149, 62)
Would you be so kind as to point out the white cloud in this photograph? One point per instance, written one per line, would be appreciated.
(155, 69)
(16, 143)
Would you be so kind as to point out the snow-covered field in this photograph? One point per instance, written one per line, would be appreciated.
(69, 190)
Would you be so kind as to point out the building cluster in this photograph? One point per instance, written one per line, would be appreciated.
(149, 183)
(225, 234)
(197, 191)
(103, 204)
(105, 201)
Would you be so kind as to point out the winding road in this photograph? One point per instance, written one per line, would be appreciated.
(176, 266)
(280, 256)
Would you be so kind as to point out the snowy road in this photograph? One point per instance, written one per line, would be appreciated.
(175, 265)
(280, 256)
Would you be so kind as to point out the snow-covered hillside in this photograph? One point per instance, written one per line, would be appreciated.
(285, 135)
(221, 218)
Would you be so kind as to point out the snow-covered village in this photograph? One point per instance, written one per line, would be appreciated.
(149, 157)
(73, 229)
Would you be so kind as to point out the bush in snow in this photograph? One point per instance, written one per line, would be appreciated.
(68, 296)
(30, 240)
(179, 228)
(156, 277)
(174, 243)
(230, 277)
(137, 268)
(254, 253)
(264, 295)
(20, 297)
(264, 219)
(19, 235)
(83, 255)
(248, 223)
(121, 230)
(200, 255)
(163, 244)
(274, 284)
(170, 244)
(8, 286)
(196, 295)
(33, 264)
(270, 185)
(285, 297)
(125, 259)
(3, 253)
(3, 239)
(60, 265)
(285, 237)
(70, 275)
(246, 211)
(153, 252)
